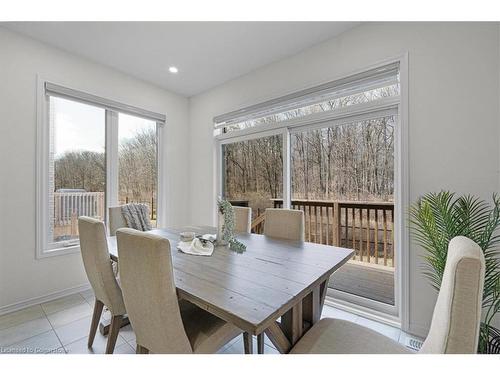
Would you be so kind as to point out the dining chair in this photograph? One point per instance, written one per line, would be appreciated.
(284, 224)
(116, 220)
(455, 322)
(242, 219)
(95, 255)
(162, 323)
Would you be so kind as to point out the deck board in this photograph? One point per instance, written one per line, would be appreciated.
(373, 283)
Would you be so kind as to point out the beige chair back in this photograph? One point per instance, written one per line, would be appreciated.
(149, 292)
(457, 314)
(243, 219)
(285, 224)
(97, 263)
(116, 220)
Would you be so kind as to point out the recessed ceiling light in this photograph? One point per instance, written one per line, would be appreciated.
(173, 69)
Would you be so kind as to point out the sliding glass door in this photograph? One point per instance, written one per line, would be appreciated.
(253, 174)
(335, 154)
(342, 177)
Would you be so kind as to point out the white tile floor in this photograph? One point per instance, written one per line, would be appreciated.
(62, 325)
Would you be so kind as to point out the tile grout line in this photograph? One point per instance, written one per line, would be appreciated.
(45, 315)
(38, 334)
(85, 299)
(53, 329)
(26, 321)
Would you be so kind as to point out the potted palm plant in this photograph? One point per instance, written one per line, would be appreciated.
(438, 217)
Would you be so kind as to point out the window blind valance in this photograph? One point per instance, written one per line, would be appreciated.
(368, 80)
(64, 92)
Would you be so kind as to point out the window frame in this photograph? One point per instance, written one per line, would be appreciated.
(44, 246)
(397, 315)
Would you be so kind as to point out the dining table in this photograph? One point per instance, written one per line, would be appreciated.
(275, 287)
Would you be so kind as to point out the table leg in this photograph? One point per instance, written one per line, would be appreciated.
(104, 326)
(323, 289)
(260, 343)
(278, 338)
(313, 306)
(247, 341)
(298, 319)
(292, 323)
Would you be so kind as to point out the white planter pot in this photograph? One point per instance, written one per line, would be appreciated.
(220, 223)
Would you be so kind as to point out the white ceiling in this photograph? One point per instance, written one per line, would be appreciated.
(206, 53)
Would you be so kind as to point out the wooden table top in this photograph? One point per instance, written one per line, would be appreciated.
(252, 289)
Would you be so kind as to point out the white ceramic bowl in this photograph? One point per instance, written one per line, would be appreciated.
(187, 236)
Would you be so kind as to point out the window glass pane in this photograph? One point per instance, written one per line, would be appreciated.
(343, 178)
(334, 103)
(253, 174)
(77, 168)
(137, 162)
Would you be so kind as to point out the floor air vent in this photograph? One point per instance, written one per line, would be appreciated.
(413, 343)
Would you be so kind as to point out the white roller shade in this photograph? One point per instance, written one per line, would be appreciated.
(53, 89)
(371, 79)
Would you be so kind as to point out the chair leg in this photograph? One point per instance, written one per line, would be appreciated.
(141, 350)
(98, 306)
(260, 343)
(247, 341)
(116, 323)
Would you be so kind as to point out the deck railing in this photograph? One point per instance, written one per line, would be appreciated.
(69, 205)
(366, 227)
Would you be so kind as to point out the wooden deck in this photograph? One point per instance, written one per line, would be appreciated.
(376, 283)
(365, 227)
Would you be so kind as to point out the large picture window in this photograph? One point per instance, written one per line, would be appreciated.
(138, 162)
(92, 154)
(77, 167)
(333, 152)
(253, 172)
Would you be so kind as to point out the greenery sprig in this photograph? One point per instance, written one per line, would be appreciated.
(226, 209)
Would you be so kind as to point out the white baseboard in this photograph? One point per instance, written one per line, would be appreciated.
(42, 299)
(418, 330)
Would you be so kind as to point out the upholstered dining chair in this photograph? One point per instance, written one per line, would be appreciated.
(284, 224)
(116, 220)
(162, 323)
(242, 219)
(94, 250)
(455, 322)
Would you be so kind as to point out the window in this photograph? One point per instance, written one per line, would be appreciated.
(367, 87)
(253, 173)
(77, 167)
(93, 153)
(137, 162)
(332, 151)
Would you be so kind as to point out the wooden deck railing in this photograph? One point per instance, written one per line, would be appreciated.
(366, 227)
(69, 205)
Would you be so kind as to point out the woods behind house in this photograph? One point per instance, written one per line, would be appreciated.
(137, 158)
(344, 162)
(348, 161)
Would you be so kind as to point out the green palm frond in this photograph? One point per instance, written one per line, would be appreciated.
(436, 218)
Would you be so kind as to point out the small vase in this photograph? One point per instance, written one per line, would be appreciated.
(220, 241)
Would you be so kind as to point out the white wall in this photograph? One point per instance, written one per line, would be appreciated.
(453, 130)
(453, 112)
(22, 277)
